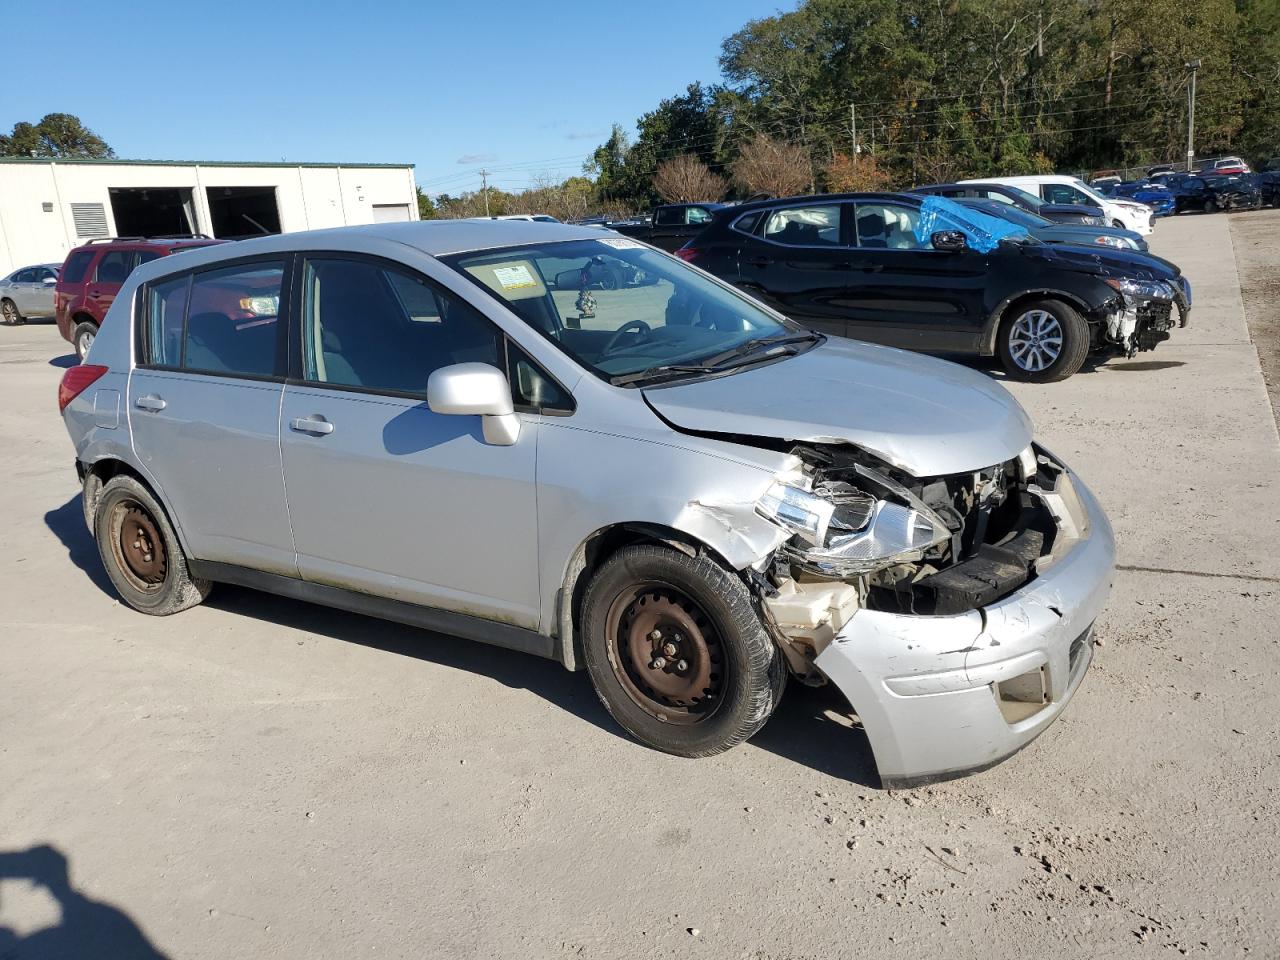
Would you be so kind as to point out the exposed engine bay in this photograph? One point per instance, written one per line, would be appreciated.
(1143, 315)
(867, 536)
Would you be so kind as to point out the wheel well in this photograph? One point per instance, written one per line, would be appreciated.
(1021, 300)
(78, 318)
(98, 474)
(592, 554)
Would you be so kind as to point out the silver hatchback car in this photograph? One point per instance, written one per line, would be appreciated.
(565, 442)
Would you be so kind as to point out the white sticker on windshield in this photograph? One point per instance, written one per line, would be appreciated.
(622, 243)
(513, 278)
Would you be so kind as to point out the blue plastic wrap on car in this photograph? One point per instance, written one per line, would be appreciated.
(982, 232)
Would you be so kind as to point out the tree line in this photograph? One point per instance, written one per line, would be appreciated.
(876, 94)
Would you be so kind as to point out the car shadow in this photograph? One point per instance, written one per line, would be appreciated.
(799, 731)
(85, 928)
(992, 367)
(67, 524)
(803, 731)
(65, 362)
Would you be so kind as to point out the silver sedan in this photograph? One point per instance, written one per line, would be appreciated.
(27, 293)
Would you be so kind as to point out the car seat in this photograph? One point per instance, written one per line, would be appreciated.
(871, 231)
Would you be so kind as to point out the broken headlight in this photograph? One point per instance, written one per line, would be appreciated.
(846, 531)
(1141, 289)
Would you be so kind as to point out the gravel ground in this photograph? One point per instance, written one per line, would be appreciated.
(1254, 237)
(258, 777)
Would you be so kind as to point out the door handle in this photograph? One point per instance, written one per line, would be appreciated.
(317, 425)
(150, 402)
(759, 261)
(872, 268)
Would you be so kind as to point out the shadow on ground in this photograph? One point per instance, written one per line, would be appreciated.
(65, 362)
(67, 524)
(86, 928)
(799, 731)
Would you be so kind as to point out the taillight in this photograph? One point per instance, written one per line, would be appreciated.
(688, 254)
(76, 380)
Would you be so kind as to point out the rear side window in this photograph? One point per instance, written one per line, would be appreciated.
(166, 311)
(748, 222)
(668, 216)
(372, 326)
(77, 266)
(697, 215)
(804, 226)
(146, 256)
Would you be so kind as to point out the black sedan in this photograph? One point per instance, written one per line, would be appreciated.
(1211, 194)
(1004, 193)
(928, 274)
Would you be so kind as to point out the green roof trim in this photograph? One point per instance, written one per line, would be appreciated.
(208, 163)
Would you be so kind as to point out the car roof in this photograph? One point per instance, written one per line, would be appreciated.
(436, 238)
(814, 197)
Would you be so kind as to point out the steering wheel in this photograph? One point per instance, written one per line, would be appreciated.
(639, 326)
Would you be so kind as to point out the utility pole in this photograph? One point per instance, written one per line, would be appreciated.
(484, 189)
(1193, 66)
(853, 128)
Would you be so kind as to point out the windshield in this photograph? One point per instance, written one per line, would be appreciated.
(1089, 191)
(1022, 218)
(620, 308)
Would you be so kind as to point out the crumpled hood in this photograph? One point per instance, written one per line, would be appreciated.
(926, 416)
(1106, 261)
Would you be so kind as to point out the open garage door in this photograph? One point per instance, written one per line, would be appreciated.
(240, 212)
(152, 211)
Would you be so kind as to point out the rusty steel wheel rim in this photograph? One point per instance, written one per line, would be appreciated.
(138, 546)
(666, 653)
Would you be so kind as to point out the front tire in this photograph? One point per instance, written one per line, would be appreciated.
(140, 551)
(1043, 341)
(1210, 207)
(9, 313)
(83, 338)
(677, 653)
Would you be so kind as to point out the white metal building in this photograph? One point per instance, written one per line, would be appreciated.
(49, 206)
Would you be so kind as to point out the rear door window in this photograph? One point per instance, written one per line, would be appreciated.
(115, 266)
(232, 325)
(811, 226)
(166, 312)
(77, 265)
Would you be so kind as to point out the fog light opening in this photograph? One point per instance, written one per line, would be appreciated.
(1022, 696)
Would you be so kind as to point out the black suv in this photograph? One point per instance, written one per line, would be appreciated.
(855, 265)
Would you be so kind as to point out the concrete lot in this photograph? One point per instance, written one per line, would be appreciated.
(262, 778)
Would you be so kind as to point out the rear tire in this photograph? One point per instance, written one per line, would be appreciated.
(9, 313)
(140, 551)
(1042, 341)
(83, 338)
(677, 652)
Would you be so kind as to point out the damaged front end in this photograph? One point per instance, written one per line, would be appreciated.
(889, 583)
(1141, 316)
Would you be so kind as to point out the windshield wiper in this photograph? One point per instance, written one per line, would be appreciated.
(749, 347)
(749, 351)
(650, 373)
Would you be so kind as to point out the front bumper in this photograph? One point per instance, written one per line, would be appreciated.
(926, 688)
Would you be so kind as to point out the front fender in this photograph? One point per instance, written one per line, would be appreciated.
(1088, 299)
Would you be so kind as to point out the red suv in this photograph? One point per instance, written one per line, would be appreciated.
(91, 277)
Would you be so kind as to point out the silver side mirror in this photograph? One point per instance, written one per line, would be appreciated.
(49, 281)
(476, 389)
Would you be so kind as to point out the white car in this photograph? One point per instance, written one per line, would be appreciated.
(1058, 188)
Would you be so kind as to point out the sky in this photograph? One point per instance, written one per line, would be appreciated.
(525, 90)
